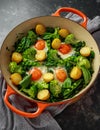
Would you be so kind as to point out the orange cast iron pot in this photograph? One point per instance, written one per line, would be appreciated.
(53, 21)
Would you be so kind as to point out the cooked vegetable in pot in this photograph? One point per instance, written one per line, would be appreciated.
(63, 32)
(51, 64)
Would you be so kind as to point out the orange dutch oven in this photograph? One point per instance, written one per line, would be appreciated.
(80, 33)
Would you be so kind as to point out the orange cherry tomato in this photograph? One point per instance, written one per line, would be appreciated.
(61, 74)
(64, 48)
(40, 44)
(36, 73)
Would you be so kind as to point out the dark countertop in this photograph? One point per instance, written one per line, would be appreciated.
(84, 114)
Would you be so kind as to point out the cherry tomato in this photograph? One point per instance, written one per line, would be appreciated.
(40, 44)
(36, 73)
(64, 48)
(61, 74)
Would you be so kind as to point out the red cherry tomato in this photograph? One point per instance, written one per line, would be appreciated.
(64, 48)
(40, 44)
(36, 73)
(61, 74)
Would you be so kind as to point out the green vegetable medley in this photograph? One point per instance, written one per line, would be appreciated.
(50, 64)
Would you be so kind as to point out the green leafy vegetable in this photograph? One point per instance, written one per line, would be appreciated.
(25, 82)
(14, 68)
(31, 92)
(70, 62)
(86, 75)
(82, 61)
(53, 58)
(32, 36)
(20, 45)
(70, 39)
(29, 54)
(67, 83)
(42, 85)
(68, 93)
(55, 88)
(48, 44)
(26, 64)
(49, 35)
(91, 57)
(50, 29)
(78, 45)
(25, 42)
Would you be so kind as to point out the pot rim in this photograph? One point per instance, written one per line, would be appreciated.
(20, 93)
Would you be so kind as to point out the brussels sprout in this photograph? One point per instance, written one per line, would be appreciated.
(82, 61)
(55, 88)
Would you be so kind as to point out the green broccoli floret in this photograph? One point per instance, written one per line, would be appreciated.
(29, 54)
(42, 85)
(25, 42)
(29, 59)
(53, 58)
(51, 35)
(32, 36)
(20, 70)
(27, 63)
(70, 39)
(55, 88)
(14, 68)
(82, 61)
(31, 92)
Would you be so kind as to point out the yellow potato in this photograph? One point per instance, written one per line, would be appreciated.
(43, 94)
(76, 73)
(40, 29)
(63, 32)
(16, 78)
(40, 55)
(56, 43)
(17, 57)
(48, 77)
(85, 51)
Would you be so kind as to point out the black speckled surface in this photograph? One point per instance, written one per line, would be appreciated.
(85, 114)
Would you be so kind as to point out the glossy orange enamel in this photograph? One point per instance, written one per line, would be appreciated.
(75, 11)
(40, 106)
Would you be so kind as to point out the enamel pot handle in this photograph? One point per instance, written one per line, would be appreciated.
(75, 11)
(40, 106)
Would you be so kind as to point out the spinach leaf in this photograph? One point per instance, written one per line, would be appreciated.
(67, 83)
(86, 75)
(48, 35)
